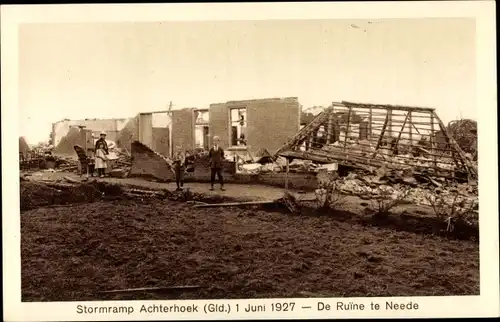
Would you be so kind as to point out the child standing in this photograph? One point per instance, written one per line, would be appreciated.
(179, 167)
(90, 162)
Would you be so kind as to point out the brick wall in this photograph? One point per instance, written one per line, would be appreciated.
(271, 123)
(219, 123)
(110, 126)
(183, 122)
(161, 140)
(128, 134)
(146, 163)
(146, 129)
(66, 145)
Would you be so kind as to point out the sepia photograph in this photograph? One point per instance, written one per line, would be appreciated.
(248, 159)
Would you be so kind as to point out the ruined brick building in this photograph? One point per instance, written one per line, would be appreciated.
(243, 126)
(248, 125)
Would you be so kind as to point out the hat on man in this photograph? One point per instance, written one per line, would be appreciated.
(103, 133)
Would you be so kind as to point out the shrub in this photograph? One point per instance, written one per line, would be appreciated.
(458, 210)
(383, 203)
(328, 194)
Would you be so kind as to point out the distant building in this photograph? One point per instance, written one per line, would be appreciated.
(110, 126)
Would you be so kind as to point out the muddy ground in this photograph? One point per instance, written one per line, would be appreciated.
(78, 251)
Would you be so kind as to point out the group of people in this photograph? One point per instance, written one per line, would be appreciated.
(98, 161)
(97, 157)
(216, 156)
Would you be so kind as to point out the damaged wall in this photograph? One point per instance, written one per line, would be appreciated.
(161, 123)
(128, 134)
(151, 129)
(24, 148)
(183, 128)
(75, 136)
(146, 129)
(270, 122)
(219, 123)
(147, 163)
(161, 140)
(111, 126)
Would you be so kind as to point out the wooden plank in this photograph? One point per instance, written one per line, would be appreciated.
(469, 166)
(386, 106)
(306, 131)
(347, 128)
(71, 180)
(234, 204)
(337, 156)
(381, 137)
(370, 116)
(286, 174)
(413, 125)
(410, 131)
(146, 289)
(433, 139)
(389, 124)
(400, 132)
(330, 129)
(379, 121)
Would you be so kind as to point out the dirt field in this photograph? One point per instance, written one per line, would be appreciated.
(76, 252)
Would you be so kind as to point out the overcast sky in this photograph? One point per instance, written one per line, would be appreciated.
(119, 69)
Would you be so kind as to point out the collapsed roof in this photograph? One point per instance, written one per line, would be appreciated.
(370, 136)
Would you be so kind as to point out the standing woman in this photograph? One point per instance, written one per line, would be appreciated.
(101, 152)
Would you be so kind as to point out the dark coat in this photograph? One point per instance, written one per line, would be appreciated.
(101, 140)
(216, 157)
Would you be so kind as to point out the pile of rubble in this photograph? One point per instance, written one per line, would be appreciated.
(119, 160)
(67, 164)
(296, 166)
(410, 189)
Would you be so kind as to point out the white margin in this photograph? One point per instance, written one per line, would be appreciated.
(485, 305)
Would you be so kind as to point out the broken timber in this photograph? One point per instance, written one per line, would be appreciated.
(398, 137)
(235, 204)
(149, 289)
(288, 201)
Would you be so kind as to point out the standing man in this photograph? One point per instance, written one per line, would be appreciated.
(216, 155)
(179, 167)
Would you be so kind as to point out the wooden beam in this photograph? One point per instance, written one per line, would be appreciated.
(386, 106)
(413, 125)
(149, 289)
(329, 129)
(410, 131)
(400, 132)
(389, 124)
(234, 204)
(370, 116)
(286, 173)
(307, 130)
(471, 169)
(381, 137)
(347, 128)
(433, 143)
